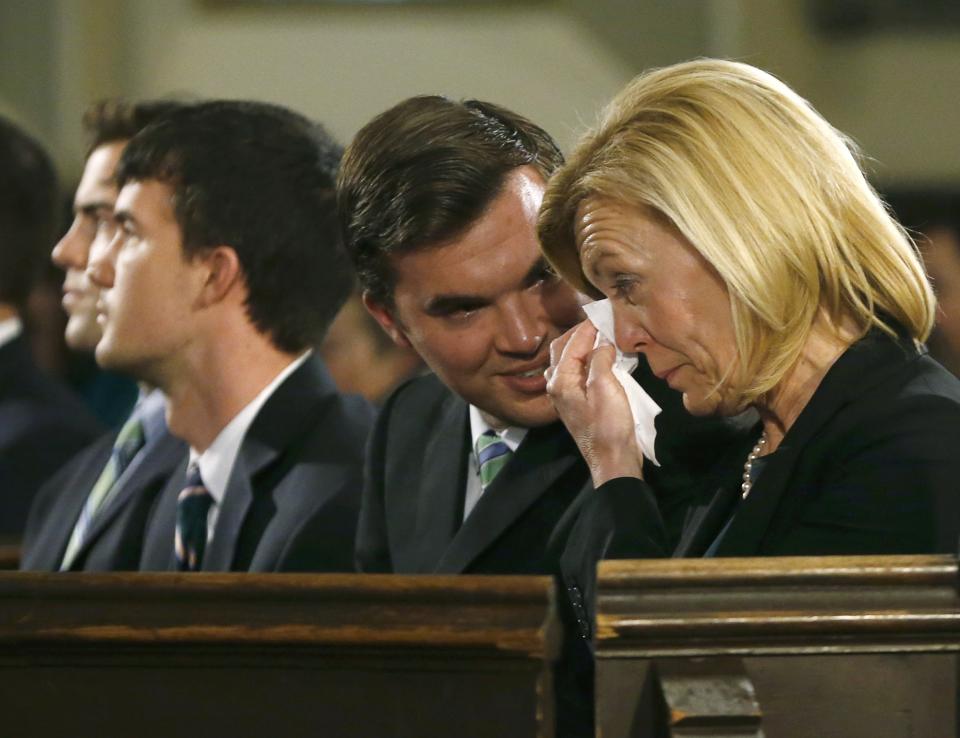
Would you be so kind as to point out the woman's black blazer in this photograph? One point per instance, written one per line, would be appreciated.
(871, 466)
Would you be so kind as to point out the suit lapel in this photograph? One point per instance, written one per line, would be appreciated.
(863, 365)
(706, 520)
(440, 504)
(236, 502)
(158, 542)
(752, 520)
(51, 543)
(152, 460)
(540, 460)
(281, 420)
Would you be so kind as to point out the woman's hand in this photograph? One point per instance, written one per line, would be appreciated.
(593, 405)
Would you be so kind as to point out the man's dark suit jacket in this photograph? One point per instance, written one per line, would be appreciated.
(412, 515)
(114, 540)
(871, 466)
(294, 492)
(42, 426)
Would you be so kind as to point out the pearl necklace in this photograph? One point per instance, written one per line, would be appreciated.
(748, 465)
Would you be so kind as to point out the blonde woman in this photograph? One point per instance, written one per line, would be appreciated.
(748, 258)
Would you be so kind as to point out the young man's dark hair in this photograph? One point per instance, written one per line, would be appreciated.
(284, 231)
(421, 173)
(115, 119)
(28, 208)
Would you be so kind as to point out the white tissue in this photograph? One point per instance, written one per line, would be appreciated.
(642, 407)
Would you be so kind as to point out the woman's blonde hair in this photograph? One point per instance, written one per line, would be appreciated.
(766, 190)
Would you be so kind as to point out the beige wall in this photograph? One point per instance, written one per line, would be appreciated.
(897, 95)
(345, 66)
(556, 61)
(901, 99)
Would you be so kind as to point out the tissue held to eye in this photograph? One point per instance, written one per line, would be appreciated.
(642, 407)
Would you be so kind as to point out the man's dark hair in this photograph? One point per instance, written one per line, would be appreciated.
(28, 212)
(111, 120)
(260, 179)
(421, 173)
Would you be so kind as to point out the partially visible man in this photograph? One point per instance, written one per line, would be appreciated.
(41, 423)
(225, 269)
(438, 203)
(91, 515)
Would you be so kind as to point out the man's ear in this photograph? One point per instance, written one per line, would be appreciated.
(385, 317)
(222, 274)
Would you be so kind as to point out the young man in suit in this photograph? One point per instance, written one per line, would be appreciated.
(41, 423)
(91, 515)
(438, 203)
(225, 269)
(469, 469)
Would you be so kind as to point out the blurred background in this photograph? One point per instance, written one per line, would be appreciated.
(886, 72)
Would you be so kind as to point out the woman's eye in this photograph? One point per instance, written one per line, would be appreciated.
(623, 286)
(548, 275)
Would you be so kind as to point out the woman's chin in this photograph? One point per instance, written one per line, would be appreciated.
(697, 404)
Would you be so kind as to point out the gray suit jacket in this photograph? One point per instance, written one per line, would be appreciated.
(115, 537)
(294, 492)
(42, 426)
(412, 517)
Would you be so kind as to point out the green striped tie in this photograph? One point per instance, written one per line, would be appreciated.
(492, 455)
(129, 441)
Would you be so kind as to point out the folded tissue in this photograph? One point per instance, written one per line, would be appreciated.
(642, 407)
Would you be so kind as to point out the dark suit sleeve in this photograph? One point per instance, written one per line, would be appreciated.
(44, 504)
(372, 552)
(618, 520)
(33, 460)
(889, 486)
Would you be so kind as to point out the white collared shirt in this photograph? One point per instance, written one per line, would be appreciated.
(511, 435)
(10, 329)
(216, 463)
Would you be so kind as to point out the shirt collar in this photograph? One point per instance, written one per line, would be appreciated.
(10, 329)
(216, 463)
(511, 435)
(152, 410)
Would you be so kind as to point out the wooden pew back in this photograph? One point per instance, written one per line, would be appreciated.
(275, 655)
(811, 647)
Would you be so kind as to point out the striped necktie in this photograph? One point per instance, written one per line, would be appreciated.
(193, 505)
(492, 455)
(128, 443)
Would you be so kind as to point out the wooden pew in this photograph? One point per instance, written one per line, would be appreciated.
(818, 647)
(339, 656)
